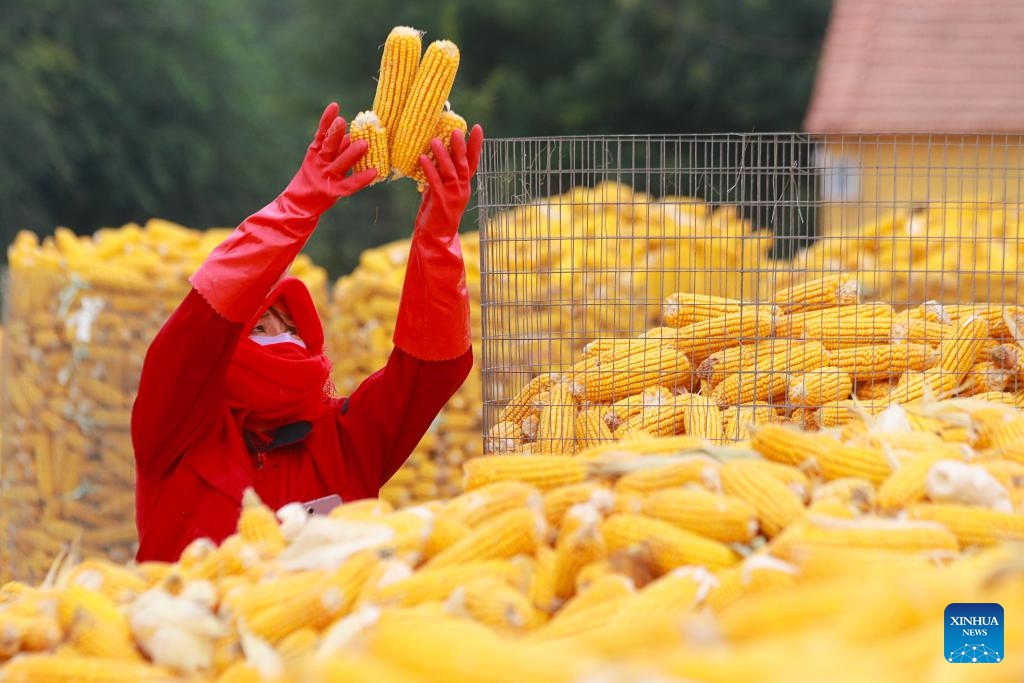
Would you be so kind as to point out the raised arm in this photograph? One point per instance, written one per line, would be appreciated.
(393, 408)
(182, 383)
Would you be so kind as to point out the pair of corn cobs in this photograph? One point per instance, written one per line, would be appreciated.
(409, 108)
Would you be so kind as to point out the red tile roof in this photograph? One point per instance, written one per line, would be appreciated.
(936, 66)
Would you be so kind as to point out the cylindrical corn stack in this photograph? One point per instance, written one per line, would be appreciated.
(350, 595)
(80, 314)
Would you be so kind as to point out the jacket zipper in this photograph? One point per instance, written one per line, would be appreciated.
(260, 456)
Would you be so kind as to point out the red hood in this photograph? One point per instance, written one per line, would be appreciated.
(293, 294)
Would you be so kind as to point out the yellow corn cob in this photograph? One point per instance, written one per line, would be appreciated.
(118, 583)
(316, 603)
(972, 525)
(853, 492)
(623, 409)
(863, 532)
(591, 428)
(702, 418)
(427, 96)
(984, 377)
(697, 469)
(794, 325)
(922, 331)
(776, 504)
(837, 333)
(367, 126)
(503, 437)
(482, 504)
(398, 65)
(749, 386)
(736, 419)
(95, 625)
(667, 546)
(81, 669)
(298, 647)
(639, 442)
(593, 588)
(850, 460)
(429, 585)
(444, 532)
(579, 543)
(832, 290)
(524, 402)
(493, 603)
(960, 352)
(608, 379)
(1008, 431)
(815, 388)
(39, 632)
(672, 595)
(447, 123)
(869, 362)
(540, 583)
(719, 365)
(510, 533)
(543, 471)
(576, 619)
(906, 484)
(796, 480)
(663, 418)
(557, 502)
(837, 413)
(556, 432)
(877, 392)
(759, 573)
(789, 446)
(701, 339)
(934, 382)
(258, 525)
(721, 518)
(683, 308)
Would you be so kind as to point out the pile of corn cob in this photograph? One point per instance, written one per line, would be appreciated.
(360, 327)
(410, 106)
(813, 356)
(670, 559)
(957, 252)
(80, 314)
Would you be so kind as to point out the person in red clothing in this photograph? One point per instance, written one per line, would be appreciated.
(235, 389)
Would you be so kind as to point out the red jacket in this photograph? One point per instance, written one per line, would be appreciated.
(192, 463)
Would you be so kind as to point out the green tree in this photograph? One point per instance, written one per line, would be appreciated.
(119, 110)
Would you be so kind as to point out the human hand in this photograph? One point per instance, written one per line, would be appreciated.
(448, 182)
(329, 158)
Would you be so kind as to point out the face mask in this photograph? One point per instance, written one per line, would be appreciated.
(283, 338)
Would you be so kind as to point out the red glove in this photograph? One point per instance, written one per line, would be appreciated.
(433, 316)
(239, 274)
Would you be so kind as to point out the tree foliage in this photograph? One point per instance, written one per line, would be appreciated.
(199, 111)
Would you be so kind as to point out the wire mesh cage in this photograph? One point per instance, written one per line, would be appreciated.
(655, 285)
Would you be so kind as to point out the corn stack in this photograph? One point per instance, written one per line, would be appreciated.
(81, 312)
(658, 568)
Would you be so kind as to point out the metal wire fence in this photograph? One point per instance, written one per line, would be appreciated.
(657, 240)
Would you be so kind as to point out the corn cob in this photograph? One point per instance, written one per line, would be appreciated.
(984, 377)
(702, 418)
(503, 437)
(935, 382)
(367, 126)
(737, 419)
(258, 525)
(701, 339)
(591, 428)
(611, 379)
(625, 408)
(795, 479)
(853, 492)
(775, 503)
(579, 543)
(869, 362)
(95, 625)
(398, 66)
(592, 589)
(557, 501)
(815, 388)
(794, 325)
(429, 584)
(719, 365)
(697, 469)
(718, 517)
(759, 573)
(493, 603)
(683, 308)
(510, 533)
(427, 96)
(668, 546)
(525, 401)
(838, 333)
(832, 290)
(970, 524)
(447, 123)
(665, 418)
(543, 471)
(960, 352)
(556, 432)
(922, 331)
(788, 446)
(75, 668)
(863, 532)
(851, 460)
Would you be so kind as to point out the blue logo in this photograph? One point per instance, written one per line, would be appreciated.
(974, 633)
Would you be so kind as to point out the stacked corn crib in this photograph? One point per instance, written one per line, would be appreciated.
(663, 558)
(80, 314)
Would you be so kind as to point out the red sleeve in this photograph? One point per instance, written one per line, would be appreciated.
(182, 384)
(390, 411)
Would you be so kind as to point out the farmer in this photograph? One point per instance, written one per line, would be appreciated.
(235, 389)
